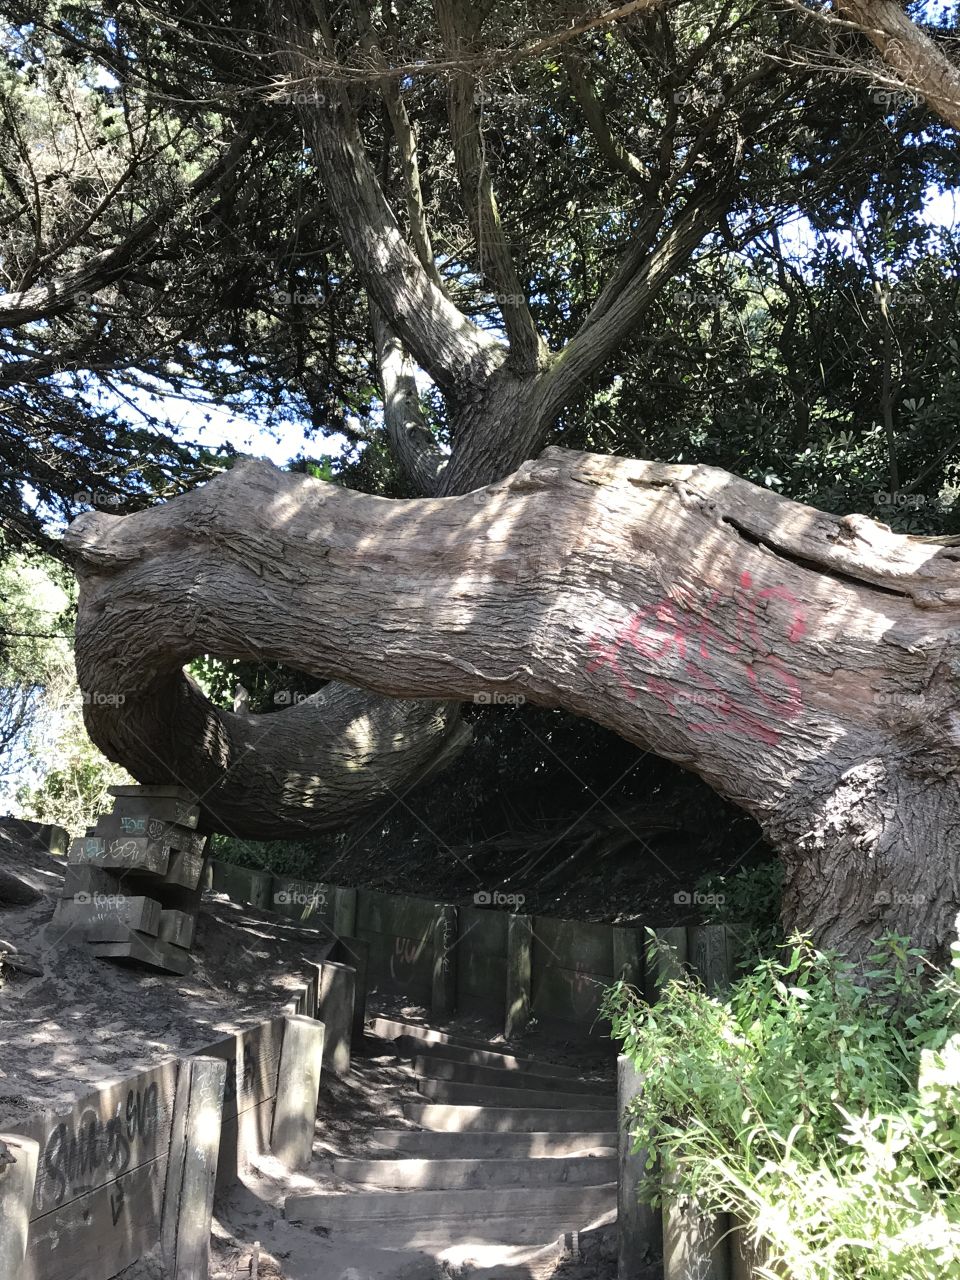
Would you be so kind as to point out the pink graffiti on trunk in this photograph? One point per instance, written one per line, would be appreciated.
(678, 634)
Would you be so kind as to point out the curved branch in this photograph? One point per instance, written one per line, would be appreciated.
(55, 296)
(918, 61)
(411, 440)
(778, 651)
(452, 349)
(457, 21)
(613, 150)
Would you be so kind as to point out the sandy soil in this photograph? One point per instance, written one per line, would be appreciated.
(69, 1022)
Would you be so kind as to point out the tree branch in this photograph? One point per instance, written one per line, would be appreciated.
(458, 21)
(410, 438)
(55, 296)
(918, 60)
(453, 350)
(615, 152)
(623, 300)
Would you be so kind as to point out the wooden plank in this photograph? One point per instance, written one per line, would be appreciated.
(446, 928)
(571, 995)
(153, 791)
(477, 976)
(298, 1088)
(142, 949)
(78, 879)
(400, 965)
(570, 944)
(112, 826)
(335, 1008)
(242, 1138)
(253, 1060)
(192, 1168)
(639, 1225)
(101, 1232)
(306, 901)
(394, 915)
(140, 915)
(185, 869)
(661, 966)
(356, 954)
(126, 853)
(180, 812)
(104, 1134)
(177, 927)
(694, 1244)
(344, 911)
(710, 955)
(18, 1173)
(627, 956)
(519, 974)
(483, 931)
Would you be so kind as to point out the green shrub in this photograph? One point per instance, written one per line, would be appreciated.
(751, 899)
(817, 1102)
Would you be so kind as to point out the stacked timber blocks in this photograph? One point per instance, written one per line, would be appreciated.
(133, 882)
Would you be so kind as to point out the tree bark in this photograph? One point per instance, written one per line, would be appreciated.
(804, 664)
(918, 61)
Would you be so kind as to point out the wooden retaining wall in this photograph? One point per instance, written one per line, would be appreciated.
(97, 1200)
(413, 942)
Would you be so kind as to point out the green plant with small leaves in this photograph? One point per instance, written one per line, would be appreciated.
(817, 1102)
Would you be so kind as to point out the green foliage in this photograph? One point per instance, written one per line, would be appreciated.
(818, 1102)
(750, 898)
(282, 857)
(49, 769)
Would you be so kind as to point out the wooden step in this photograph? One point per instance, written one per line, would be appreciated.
(478, 1174)
(430, 1144)
(513, 1215)
(434, 1068)
(472, 1119)
(484, 1095)
(414, 1046)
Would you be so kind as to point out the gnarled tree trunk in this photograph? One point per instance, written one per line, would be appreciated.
(804, 664)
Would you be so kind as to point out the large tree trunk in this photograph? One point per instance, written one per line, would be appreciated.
(804, 664)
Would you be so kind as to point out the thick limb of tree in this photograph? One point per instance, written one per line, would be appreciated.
(804, 664)
(454, 351)
(919, 63)
(314, 766)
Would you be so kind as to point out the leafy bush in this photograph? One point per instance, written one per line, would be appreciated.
(817, 1102)
(751, 899)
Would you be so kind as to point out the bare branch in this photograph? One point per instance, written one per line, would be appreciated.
(495, 259)
(58, 295)
(410, 438)
(443, 341)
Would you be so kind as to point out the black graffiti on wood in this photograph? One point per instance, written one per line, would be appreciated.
(75, 1153)
(246, 1079)
(116, 1203)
